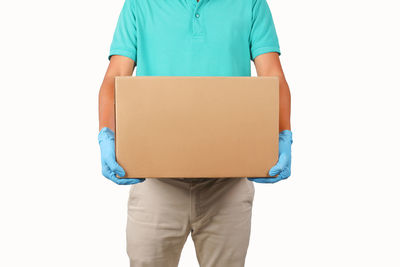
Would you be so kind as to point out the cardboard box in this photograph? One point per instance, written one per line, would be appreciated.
(196, 127)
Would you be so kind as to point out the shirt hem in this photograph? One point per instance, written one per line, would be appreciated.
(264, 50)
(124, 53)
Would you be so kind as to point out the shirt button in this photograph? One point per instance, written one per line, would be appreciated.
(197, 15)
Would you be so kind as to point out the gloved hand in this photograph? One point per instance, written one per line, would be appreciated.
(282, 168)
(109, 165)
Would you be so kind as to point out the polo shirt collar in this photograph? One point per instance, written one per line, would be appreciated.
(194, 2)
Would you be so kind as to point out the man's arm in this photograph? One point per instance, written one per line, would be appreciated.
(119, 66)
(269, 64)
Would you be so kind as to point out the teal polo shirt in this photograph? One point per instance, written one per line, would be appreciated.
(190, 38)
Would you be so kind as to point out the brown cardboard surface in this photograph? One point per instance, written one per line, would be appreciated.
(196, 127)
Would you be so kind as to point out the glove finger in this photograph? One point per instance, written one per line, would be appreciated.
(285, 173)
(138, 180)
(116, 168)
(265, 180)
(120, 181)
(256, 179)
(110, 175)
(273, 180)
(275, 170)
(278, 168)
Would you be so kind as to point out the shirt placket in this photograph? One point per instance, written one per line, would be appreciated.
(197, 26)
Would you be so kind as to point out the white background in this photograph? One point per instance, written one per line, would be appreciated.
(340, 207)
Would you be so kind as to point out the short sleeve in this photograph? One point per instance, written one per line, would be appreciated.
(263, 37)
(124, 39)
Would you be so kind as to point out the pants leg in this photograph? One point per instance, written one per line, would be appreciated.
(221, 221)
(158, 222)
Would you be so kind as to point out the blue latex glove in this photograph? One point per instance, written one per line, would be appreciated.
(109, 165)
(282, 168)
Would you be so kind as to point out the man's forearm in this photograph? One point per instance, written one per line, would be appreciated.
(284, 104)
(106, 104)
(269, 65)
(119, 66)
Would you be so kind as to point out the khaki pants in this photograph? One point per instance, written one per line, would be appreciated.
(215, 211)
